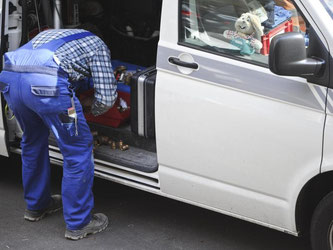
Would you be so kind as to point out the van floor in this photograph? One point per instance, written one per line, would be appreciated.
(140, 156)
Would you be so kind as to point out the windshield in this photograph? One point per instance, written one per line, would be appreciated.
(328, 6)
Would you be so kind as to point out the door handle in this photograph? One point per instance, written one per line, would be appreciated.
(178, 62)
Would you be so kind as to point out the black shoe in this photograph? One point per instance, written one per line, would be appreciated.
(36, 215)
(97, 224)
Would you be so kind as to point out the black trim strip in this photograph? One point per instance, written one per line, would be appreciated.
(3, 39)
(180, 2)
(24, 34)
(3, 49)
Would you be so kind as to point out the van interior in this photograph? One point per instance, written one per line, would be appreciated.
(131, 31)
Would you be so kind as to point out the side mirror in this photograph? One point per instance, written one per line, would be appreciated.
(288, 56)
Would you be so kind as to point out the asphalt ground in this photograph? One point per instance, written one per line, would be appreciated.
(138, 220)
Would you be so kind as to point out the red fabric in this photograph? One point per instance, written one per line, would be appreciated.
(113, 117)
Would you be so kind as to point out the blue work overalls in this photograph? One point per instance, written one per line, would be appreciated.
(39, 94)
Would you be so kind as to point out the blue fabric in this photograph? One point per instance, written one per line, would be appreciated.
(40, 103)
(88, 57)
(123, 88)
(130, 68)
(280, 16)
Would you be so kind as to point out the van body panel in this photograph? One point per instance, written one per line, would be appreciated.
(246, 163)
(263, 209)
(235, 131)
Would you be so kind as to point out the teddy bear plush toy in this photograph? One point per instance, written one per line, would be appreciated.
(247, 36)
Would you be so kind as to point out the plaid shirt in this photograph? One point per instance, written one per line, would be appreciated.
(82, 58)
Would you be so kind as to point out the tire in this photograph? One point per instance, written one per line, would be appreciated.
(321, 231)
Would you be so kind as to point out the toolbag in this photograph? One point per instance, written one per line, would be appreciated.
(143, 102)
(117, 115)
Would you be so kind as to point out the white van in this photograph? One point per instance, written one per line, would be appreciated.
(231, 135)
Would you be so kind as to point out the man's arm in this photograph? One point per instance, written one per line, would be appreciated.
(105, 84)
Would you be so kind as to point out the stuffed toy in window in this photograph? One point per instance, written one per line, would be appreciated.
(247, 36)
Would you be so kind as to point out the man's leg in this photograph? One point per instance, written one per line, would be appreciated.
(35, 166)
(78, 176)
(78, 171)
(35, 156)
(35, 159)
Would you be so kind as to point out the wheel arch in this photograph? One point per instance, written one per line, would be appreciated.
(309, 197)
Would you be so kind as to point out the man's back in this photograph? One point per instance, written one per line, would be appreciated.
(86, 57)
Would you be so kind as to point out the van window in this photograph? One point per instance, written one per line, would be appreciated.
(238, 28)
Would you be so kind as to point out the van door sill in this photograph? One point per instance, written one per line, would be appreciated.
(133, 158)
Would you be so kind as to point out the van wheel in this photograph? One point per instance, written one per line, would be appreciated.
(321, 231)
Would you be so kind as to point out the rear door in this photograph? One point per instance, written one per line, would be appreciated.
(3, 49)
(231, 135)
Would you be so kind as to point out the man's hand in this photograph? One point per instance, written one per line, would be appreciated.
(98, 108)
(86, 104)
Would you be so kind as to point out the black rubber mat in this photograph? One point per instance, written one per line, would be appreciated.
(134, 158)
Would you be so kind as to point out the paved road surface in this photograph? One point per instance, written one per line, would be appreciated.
(139, 220)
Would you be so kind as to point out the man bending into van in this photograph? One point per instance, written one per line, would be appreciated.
(37, 82)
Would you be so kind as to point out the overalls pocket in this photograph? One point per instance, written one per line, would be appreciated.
(68, 123)
(47, 100)
(45, 90)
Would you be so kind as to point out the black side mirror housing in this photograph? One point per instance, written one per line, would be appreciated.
(288, 56)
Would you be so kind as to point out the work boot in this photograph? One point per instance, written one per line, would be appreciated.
(36, 215)
(97, 224)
